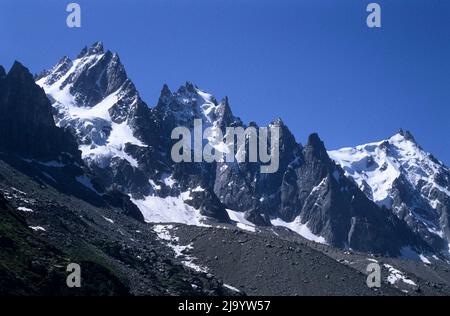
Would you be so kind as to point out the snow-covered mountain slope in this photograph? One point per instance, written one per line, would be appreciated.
(88, 94)
(398, 174)
(127, 146)
(126, 143)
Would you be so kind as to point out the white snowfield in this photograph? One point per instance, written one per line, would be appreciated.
(169, 210)
(301, 229)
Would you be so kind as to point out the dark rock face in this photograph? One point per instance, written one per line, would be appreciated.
(404, 195)
(251, 190)
(27, 126)
(208, 204)
(257, 217)
(117, 199)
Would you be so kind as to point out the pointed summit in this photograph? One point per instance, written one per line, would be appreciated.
(188, 87)
(191, 87)
(95, 75)
(225, 115)
(17, 65)
(64, 60)
(95, 48)
(83, 52)
(165, 91)
(315, 147)
(164, 96)
(278, 122)
(286, 135)
(407, 135)
(225, 101)
(27, 125)
(315, 141)
(224, 107)
(19, 71)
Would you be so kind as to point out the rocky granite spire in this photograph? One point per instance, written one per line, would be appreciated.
(95, 48)
(27, 126)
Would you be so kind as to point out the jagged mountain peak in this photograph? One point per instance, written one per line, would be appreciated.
(95, 48)
(398, 174)
(278, 122)
(404, 138)
(95, 98)
(315, 147)
(315, 141)
(64, 60)
(26, 121)
(88, 79)
(56, 72)
(19, 72)
(188, 87)
(187, 91)
(225, 101)
(288, 143)
(192, 91)
(407, 135)
(18, 81)
(165, 91)
(190, 102)
(378, 164)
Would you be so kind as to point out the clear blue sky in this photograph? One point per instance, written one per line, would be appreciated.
(313, 63)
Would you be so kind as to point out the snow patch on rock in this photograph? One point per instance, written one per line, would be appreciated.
(171, 209)
(301, 229)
